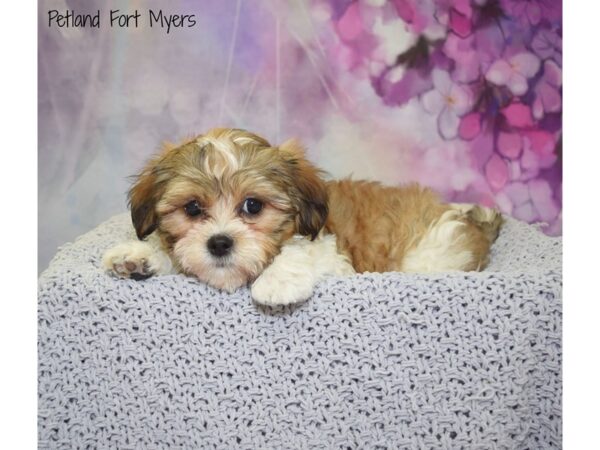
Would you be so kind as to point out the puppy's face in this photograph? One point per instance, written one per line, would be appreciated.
(224, 203)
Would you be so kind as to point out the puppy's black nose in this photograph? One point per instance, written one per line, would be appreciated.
(219, 245)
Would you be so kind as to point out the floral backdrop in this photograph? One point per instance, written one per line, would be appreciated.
(462, 95)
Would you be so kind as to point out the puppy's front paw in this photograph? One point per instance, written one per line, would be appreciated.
(274, 287)
(136, 260)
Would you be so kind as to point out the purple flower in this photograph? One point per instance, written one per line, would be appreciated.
(449, 101)
(470, 126)
(511, 64)
(542, 199)
(420, 14)
(514, 72)
(466, 58)
(459, 17)
(496, 172)
(517, 192)
(531, 12)
(463, 7)
(547, 91)
(489, 41)
(547, 44)
(531, 201)
(509, 144)
(537, 154)
(518, 115)
(350, 25)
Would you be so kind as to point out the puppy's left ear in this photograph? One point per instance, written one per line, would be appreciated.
(143, 197)
(308, 191)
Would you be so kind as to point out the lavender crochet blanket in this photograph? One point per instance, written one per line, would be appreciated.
(464, 360)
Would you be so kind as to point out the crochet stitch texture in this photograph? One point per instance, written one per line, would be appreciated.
(460, 360)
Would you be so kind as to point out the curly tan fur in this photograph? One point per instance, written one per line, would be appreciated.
(376, 226)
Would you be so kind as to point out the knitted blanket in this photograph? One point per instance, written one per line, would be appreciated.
(461, 360)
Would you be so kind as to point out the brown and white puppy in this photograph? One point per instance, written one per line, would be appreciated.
(229, 209)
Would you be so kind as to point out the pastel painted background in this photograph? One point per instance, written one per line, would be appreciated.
(461, 95)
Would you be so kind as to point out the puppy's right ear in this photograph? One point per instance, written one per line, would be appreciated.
(308, 191)
(143, 197)
(148, 188)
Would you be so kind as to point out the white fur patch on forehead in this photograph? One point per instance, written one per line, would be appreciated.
(225, 148)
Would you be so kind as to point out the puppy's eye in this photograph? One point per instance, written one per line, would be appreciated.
(192, 208)
(252, 206)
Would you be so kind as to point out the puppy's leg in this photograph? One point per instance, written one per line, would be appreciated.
(137, 260)
(293, 274)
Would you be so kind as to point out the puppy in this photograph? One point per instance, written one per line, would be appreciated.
(229, 208)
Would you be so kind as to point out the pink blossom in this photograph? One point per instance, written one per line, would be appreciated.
(503, 202)
(496, 172)
(459, 23)
(547, 91)
(530, 165)
(350, 25)
(531, 201)
(466, 58)
(405, 10)
(525, 212)
(514, 169)
(518, 115)
(470, 126)
(542, 199)
(345, 56)
(483, 147)
(554, 228)
(509, 144)
(489, 43)
(541, 142)
(518, 193)
(460, 17)
(411, 84)
(449, 101)
(514, 72)
(538, 153)
(419, 14)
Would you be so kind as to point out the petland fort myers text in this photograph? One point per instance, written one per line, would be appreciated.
(116, 18)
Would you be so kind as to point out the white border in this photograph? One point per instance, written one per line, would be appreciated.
(19, 225)
(19, 220)
(581, 213)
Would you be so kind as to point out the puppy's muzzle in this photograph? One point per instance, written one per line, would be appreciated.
(219, 245)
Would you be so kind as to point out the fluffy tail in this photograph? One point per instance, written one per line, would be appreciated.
(487, 219)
